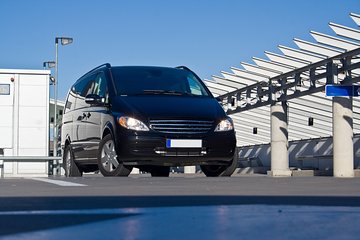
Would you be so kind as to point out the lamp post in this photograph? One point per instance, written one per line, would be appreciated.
(49, 65)
(63, 41)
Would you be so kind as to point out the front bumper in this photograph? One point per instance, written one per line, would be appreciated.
(149, 148)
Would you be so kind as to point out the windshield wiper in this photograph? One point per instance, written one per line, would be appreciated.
(158, 91)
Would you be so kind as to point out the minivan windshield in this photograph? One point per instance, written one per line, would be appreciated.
(157, 81)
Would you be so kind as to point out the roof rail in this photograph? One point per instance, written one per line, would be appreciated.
(184, 67)
(188, 69)
(108, 65)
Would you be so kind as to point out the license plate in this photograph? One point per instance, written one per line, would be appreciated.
(183, 143)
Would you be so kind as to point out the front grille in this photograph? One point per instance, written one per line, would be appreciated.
(181, 126)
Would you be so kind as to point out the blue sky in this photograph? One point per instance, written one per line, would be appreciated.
(207, 36)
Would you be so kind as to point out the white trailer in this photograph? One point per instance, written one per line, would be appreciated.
(24, 120)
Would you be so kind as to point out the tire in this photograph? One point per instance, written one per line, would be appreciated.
(160, 171)
(108, 161)
(220, 170)
(71, 169)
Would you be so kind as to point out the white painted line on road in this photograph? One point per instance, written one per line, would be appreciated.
(74, 212)
(59, 182)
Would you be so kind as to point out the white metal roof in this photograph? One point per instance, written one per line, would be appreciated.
(25, 71)
(58, 102)
(356, 18)
(317, 105)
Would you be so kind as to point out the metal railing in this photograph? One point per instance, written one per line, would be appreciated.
(54, 163)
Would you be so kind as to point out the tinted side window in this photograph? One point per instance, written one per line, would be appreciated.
(89, 86)
(79, 86)
(101, 86)
(70, 102)
(83, 87)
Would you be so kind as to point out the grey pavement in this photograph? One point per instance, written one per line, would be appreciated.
(179, 207)
(183, 185)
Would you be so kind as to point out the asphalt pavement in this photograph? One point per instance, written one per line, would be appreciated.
(178, 207)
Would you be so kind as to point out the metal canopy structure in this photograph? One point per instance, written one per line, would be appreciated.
(297, 76)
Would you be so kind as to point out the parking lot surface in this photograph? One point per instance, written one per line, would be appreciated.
(178, 207)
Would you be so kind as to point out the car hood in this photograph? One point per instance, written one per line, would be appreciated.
(147, 107)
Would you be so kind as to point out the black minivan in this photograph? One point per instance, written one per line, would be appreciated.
(152, 118)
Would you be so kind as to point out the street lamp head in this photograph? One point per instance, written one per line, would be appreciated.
(64, 40)
(49, 64)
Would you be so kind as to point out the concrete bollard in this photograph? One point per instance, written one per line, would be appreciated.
(343, 150)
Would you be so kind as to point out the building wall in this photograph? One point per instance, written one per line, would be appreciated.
(25, 121)
(6, 111)
(318, 152)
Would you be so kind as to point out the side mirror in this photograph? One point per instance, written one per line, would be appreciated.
(94, 99)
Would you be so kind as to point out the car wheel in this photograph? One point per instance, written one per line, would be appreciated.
(220, 170)
(71, 169)
(160, 171)
(108, 162)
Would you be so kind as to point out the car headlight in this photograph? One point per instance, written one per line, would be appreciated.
(132, 123)
(225, 125)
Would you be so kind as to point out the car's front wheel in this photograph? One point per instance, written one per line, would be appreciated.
(220, 170)
(108, 161)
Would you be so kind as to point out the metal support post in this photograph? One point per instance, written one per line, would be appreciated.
(2, 169)
(55, 133)
(1, 163)
(279, 140)
(343, 150)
